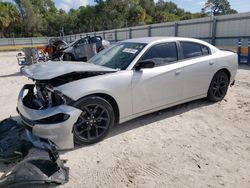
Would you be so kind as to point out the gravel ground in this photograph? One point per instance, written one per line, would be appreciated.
(197, 144)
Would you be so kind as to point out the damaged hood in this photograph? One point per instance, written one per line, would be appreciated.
(49, 70)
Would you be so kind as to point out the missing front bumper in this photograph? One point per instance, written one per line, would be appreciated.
(59, 132)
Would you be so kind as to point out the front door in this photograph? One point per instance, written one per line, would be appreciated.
(161, 85)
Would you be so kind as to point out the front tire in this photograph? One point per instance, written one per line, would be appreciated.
(218, 87)
(68, 57)
(95, 122)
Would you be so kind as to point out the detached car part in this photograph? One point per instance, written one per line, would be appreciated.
(37, 172)
(9, 125)
(12, 146)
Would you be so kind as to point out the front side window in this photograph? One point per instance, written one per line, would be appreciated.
(118, 56)
(191, 50)
(162, 54)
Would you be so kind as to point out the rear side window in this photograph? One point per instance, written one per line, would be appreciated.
(162, 53)
(205, 50)
(191, 50)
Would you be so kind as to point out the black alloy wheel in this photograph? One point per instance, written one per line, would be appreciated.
(218, 87)
(95, 121)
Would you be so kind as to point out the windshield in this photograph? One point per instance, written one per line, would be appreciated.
(118, 56)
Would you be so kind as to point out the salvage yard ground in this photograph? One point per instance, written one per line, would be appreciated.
(198, 144)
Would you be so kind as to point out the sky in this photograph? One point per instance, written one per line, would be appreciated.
(188, 5)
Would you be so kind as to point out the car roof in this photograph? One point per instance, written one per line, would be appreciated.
(152, 40)
(148, 40)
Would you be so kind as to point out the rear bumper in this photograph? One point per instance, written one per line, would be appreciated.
(60, 132)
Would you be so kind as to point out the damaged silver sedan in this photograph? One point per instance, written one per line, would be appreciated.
(81, 102)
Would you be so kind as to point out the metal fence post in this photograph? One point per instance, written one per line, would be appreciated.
(115, 35)
(248, 55)
(149, 31)
(214, 28)
(239, 51)
(130, 33)
(31, 40)
(176, 29)
(103, 34)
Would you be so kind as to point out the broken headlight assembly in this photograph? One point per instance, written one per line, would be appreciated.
(42, 96)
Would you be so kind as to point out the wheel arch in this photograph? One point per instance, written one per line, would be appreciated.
(221, 70)
(226, 71)
(112, 102)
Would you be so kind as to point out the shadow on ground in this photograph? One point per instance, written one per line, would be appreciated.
(132, 124)
(151, 118)
(11, 75)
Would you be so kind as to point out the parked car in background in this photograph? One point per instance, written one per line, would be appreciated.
(55, 47)
(84, 48)
(81, 102)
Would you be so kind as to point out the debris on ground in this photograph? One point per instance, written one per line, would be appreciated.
(13, 146)
(39, 171)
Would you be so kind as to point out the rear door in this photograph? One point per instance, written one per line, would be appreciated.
(161, 85)
(198, 68)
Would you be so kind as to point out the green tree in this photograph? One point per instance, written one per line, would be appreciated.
(218, 7)
(26, 18)
(8, 18)
(137, 16)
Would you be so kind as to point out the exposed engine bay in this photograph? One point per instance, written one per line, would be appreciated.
(47, 110)
(42, 95)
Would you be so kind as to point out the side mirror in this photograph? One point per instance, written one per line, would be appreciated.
(147, 64)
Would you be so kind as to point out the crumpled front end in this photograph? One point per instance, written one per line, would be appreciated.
(48, 114)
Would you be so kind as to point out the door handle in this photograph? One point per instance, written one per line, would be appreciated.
(211, 62)
(178, 72)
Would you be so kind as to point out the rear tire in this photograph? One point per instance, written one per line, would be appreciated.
(95, 122)
(218, 87)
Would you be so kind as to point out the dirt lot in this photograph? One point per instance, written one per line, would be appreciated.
(197, 144)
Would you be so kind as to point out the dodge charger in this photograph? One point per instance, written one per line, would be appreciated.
(76, 102)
